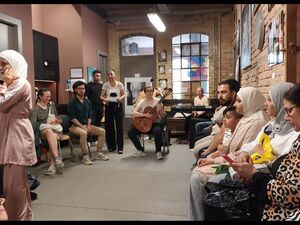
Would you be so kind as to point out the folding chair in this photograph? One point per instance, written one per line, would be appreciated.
(165, 140)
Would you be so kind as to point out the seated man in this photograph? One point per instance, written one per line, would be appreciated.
(80, 114)
(227, 90)
(157, 125)
(199, 100)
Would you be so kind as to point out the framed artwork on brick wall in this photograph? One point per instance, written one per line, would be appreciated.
(246, 37)
(162, 56)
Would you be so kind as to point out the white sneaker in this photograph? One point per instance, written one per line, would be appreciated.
(159, 155)
(101, 156)
(139, 154)
(59, 162)
(51, 170)
(86, 160)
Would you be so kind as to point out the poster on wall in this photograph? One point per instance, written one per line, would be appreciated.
(246, 37)
(133, 86)
(275, 53)
(90, 70)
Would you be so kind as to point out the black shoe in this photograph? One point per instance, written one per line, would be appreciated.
(111, 150)
(120, 151)
(33, 196)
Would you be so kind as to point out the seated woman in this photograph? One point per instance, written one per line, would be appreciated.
(249, 103)
(40, 118)
(278, 192)
(157, 122)
(279, 130)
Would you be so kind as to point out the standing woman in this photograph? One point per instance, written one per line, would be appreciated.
(112, 95)
(17, 149)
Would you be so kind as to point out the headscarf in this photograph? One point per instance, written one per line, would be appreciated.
(253, 101)
(276, 92)
(19, 64)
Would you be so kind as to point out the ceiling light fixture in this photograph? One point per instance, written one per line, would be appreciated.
(156, 21)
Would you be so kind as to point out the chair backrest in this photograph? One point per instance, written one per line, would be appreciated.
(65, 123)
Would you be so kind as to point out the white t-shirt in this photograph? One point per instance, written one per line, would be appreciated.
(113, 92)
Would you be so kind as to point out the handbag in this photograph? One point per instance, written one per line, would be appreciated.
(228, 200)
(267, 156)
(33, 181)
(48, 125)
(3, 214)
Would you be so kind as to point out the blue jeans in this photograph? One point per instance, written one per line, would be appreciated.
(201, 125)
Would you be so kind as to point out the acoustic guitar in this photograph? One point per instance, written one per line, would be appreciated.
(144, 124)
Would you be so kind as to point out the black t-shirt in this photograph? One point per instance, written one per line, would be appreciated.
(93, 92)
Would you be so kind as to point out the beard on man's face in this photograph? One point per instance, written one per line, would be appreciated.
(225, 102)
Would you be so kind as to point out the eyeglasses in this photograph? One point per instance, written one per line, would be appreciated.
(289, 110)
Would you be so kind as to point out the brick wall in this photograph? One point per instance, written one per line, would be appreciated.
(219, 27)
(260, 74)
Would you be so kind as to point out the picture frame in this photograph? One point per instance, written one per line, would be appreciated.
(162, 56)
(72, 81)
(76, 72)
(161, 69)
(133, 87)
(163, 84)
(90, 70)
(254, 8)
(246, 37)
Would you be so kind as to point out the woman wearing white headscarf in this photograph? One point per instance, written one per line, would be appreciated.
(251, 104)
(279, 130)
(17, 139)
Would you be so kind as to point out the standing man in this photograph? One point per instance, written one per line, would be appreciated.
(93, 92)
(80, 114)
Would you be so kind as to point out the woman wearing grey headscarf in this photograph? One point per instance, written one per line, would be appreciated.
(17, 139)
(249, 103)
(279, 130)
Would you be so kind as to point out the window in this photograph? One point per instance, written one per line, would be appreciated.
(190, 65)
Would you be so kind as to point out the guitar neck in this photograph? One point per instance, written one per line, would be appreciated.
(160, 100)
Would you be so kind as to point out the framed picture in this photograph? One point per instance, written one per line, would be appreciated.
(237, 69)
(90, 70)
(246, 37)
(163, 84)
(76, 73)
(275, 53)
(133, 86)
(254, 8)
(72, 81)
(161, 69)
(162, 56)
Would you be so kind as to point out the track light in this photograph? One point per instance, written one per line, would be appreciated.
(156, 21)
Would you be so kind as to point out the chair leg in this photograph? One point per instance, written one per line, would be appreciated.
(45, 152)
(72, 151)
(59, 149)
(89, 151)
(165, 139)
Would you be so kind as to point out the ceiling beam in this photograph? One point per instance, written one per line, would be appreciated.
(96, 9)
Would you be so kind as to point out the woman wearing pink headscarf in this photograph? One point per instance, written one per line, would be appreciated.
(17, 149)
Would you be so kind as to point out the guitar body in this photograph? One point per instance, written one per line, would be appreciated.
(144, 124)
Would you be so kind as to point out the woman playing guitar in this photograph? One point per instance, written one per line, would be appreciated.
(147, 119)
